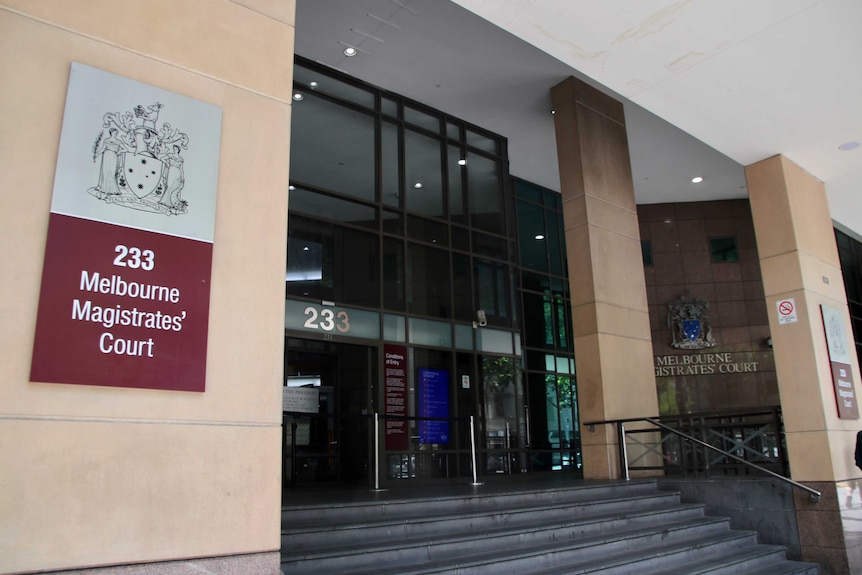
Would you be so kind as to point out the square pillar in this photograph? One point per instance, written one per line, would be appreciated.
(613, 348)
(800, 266)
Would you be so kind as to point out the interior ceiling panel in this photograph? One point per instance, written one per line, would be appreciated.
(707, 86)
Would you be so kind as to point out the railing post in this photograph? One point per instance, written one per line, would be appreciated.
(293, 453)
(377, 452)
(473, 451)
(624, 456)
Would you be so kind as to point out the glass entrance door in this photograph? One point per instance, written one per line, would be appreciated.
(326, 419)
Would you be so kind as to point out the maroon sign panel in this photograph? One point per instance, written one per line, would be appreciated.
(395, 392)
(128, 261)
(840, 359)
(122, 307)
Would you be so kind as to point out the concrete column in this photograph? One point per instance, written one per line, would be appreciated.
(142, 480)
(799, 261)
(613, 349)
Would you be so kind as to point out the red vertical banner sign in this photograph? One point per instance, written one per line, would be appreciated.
(395, 397)
(124, 300)
(840, 360)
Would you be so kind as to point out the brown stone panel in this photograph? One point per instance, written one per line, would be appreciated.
(696, 267)
(689, 211)
(720, 228)
(718, 209)
(691, 236)
(729, 291)
(668, 268)
(727, 272)
(664, 237)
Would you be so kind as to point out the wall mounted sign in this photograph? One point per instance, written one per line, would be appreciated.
(840, 360)
(330, 321)
(300, 399)
(786, 311)
(688, 319)
(433, 403)
(395, 396)
(125, 289)
(704, 364)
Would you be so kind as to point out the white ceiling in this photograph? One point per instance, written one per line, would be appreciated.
(747, 80)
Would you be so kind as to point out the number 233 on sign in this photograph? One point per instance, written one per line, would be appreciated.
(327, 319)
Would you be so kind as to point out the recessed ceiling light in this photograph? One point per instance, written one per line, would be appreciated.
(540, 237)
(418, 185)
(306, 248)
(291, 188)
(462, 162)
(298, 97)
(696, 180)
(350, 51)
(313, 84)
(847, 146)
(553, 112)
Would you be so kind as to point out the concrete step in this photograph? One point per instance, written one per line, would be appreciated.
(387, 506)
(648, 507)
(608, 529)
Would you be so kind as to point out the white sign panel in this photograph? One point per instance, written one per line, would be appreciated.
(786, 309)
(300, 399)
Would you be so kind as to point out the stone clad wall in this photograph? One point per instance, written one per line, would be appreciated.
(739, 371)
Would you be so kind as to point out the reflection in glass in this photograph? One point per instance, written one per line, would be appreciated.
(389, 180)
(485, 192)
(428, 281)
(502, 397)
(333, 263)
(423, 177)
(323, 83)
(321, 205)
(492, 293)
(532, 238)
(454, 159)
(332, 147)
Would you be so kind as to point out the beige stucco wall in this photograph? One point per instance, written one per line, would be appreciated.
(799, 260)
(98, 475)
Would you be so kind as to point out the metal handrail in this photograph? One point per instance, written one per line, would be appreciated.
(813, 494)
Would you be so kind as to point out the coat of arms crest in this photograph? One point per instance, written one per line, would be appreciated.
(141, 166)
(688, 320)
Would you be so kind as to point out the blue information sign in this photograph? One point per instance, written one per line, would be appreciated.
(434, 402)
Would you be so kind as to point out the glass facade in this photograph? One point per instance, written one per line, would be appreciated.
(850, 254)
(404, 216)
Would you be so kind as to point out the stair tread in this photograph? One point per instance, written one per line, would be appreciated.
(503, 530)
(661, 536)
(490, 554)
(327, 525)
(486, 534)
(448, 565)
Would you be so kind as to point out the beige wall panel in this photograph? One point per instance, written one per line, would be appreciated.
(629, 391)
(615, 258)
(770, 208)
(217, 38)
(612, 217)
(283, 10)
(585, 319)
(782, 274)
(810, 456)
(600, 461)
(591, 401)
(623, 322)
(606, 163)
(100, 493)
(244, 360)
(823, 278)
(579, 257)
(575, 211)
(810, 213)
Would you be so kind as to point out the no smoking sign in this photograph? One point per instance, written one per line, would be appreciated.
(786, 311)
